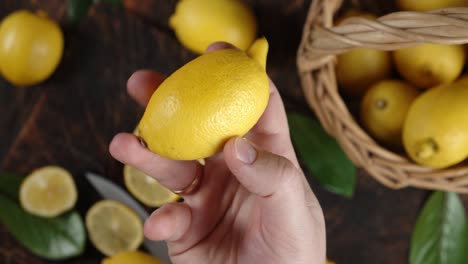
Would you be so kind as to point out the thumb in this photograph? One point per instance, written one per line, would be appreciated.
(260, 172)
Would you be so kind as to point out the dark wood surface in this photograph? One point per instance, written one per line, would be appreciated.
(70, 119)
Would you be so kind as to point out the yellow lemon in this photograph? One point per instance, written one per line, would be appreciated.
(217, 96)
(360, 68)
(132, 257)
(435, 132)
(146, 189)
(384, 108)
(426, 5)
(357, 69)
(48, 191)
(198, 23)
(31, 47)
(113, 227)
(429, 65)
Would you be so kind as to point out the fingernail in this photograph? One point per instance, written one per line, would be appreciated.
(245, 152)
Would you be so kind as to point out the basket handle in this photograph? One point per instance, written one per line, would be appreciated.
(321, 41)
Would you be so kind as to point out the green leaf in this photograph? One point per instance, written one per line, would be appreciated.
(78, 9)
(440, 235)
(51, 238)
(322, 155)
(10, 185)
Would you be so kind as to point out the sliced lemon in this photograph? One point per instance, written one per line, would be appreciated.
(133, 257)
(113, 227)
(146, 189)
(48, 191)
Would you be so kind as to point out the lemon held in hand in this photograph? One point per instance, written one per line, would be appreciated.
(31, 47)
(429, 65)
(384, 108)
(48, 192)
(435, 132)
(217, 96)
(198, 23)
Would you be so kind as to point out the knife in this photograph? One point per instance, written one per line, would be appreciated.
(109, 190)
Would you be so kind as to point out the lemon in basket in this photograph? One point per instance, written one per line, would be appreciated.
(429, 65)
(426, 5)
(384, 108)
(146, 189)
(435, 130)
(358, 69)
(48, 191)
(113, 227)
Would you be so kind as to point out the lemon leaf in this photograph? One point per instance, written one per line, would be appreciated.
(440, 235)
(51, 238)
(77, 10)
(10, 185)
(321, 155)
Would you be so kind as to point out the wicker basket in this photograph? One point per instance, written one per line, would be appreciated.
(316, 64)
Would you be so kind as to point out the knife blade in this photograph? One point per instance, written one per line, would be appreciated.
(109, 190)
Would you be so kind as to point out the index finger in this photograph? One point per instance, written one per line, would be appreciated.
(142, 84)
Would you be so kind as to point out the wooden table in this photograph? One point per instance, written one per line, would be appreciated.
(70, 119)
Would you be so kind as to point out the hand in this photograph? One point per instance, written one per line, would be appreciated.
(253, 203)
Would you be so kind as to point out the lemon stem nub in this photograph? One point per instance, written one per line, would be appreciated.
(259, 51)
(427, 149)
(381, 104)
(202, 162)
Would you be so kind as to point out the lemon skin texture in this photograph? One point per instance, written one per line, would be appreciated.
(429, 65)
(31, 47)
(211, 99)
(198, 23)
(435, 132)
(384, 108)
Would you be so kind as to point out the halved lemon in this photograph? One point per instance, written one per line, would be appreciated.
(146, 189)
(48, 191)
(113, 227)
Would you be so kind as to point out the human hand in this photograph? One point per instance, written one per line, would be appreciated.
(252, 202)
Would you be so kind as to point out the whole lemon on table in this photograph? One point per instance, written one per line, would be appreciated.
(435, 132)
(198, 23)
(217, 96)
(359, 68)
(31, 47)
(384, 108)
(131, 257)
(426, 5)
(429, 65)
